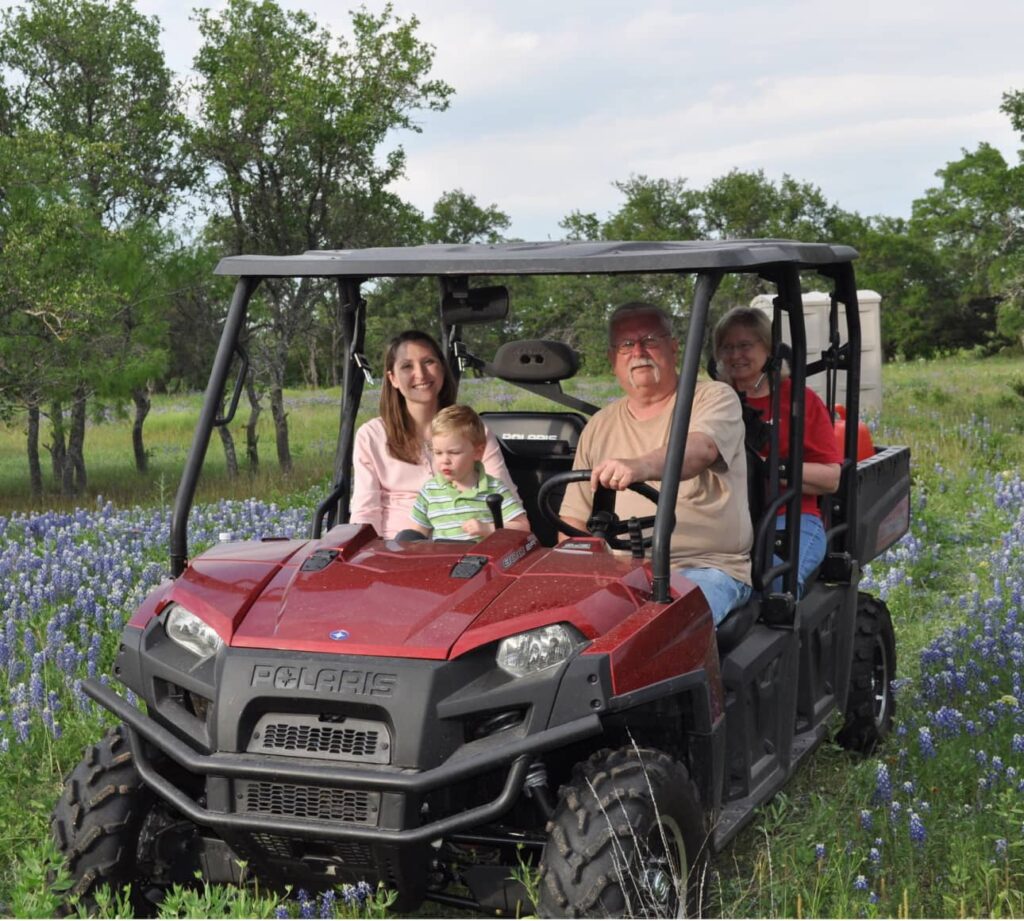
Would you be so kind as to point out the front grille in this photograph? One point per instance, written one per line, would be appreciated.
(274, 845)
(301, 801)
(335, 739)
(358, 744)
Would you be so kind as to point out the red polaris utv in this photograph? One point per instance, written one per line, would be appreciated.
(429, 714)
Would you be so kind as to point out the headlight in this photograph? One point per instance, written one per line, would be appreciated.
(529, 652)
(191, 632)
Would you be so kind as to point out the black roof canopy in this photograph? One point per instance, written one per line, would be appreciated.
(553, 258)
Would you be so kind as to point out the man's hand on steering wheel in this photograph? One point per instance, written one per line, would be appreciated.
(618, 474)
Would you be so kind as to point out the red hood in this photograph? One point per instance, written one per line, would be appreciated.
(376, 597)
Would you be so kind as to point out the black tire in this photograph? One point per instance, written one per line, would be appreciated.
(870, 705)
(98, 818)
(627, 840)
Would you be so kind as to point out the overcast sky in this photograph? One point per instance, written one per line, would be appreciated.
(556, 99)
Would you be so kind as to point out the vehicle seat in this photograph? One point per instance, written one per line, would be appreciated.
(536, 444)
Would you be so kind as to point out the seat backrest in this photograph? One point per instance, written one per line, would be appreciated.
(536, 445)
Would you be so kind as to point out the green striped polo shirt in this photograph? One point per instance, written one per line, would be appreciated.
(444, 507)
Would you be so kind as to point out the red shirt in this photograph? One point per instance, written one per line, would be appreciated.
(819, 440)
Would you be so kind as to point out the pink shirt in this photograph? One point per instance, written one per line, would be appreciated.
(385, 488)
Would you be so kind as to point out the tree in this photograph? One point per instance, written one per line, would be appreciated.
(289, 129)
(457, 218)
(93, 73)
(736, 205)
(976, 224)
(93, 111)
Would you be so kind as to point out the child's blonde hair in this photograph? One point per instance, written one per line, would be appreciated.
(460, 420)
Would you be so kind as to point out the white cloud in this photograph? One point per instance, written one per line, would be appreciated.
(807, 127)
(555, 99)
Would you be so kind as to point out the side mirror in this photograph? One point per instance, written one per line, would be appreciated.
(474, 305)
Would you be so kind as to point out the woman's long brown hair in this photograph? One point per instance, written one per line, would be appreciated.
(403, 441)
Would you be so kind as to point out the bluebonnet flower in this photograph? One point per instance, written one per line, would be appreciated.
(867, 819)
(282, 912)
(363, 890)
(883, 783)
(895, 810)
(307, 907)
(1001, 847)
(917, 831)
(875, 856)
(925, 743)
(327, 902)
(948, 721)
(819, 851)
(861, 882)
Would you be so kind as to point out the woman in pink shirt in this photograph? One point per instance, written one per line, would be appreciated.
(392, 458)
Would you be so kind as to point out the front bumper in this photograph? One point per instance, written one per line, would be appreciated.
(514, 755)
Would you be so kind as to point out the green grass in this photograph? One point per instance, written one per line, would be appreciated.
(964, 421)
(312, 423)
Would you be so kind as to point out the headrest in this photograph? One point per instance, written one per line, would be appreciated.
(536, 361)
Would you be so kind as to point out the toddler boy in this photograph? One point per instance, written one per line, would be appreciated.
(453, 503)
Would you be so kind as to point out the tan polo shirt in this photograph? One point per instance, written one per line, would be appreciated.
(712, 517)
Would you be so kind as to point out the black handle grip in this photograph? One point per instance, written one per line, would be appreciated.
(494, 504)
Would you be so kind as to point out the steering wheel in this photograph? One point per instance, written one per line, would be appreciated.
(604, 507)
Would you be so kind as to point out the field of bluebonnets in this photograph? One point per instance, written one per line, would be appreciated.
(931, 826)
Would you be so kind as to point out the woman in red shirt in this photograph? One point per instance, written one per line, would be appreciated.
(743, 343)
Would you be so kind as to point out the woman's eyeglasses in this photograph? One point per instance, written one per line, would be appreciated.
(744, 346)
(625, 346)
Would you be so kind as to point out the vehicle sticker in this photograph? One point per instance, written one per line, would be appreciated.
(510, 559)
(338, 634)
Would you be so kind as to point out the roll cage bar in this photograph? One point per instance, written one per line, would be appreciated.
(780, 262)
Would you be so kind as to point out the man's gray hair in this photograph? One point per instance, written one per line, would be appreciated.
(642, 308)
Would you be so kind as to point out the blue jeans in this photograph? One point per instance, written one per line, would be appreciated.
(721, 590)
(812, 550)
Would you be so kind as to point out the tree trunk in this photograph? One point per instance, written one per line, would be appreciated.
(58, 449)
(143, 403)
(76, 443)
(284, 454)
(35, 470)
(313, 376)
(230, 457)
(252, 452)
(335, 358)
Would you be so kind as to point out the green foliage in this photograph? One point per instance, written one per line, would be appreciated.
(457, 218)
(289, 125)
(290, 121)
(93, 74)
(1010, 320)
(41, 881)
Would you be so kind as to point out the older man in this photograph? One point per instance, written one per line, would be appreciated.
(625, 442)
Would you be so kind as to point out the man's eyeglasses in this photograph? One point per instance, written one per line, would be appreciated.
(744, 346)
(625, 346)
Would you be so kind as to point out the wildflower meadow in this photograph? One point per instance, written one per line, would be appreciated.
(932, 825)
